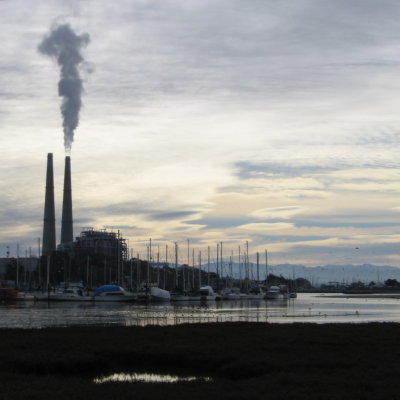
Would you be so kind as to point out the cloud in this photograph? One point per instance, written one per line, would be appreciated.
(207, 116)
(172, 215)
(265, 226)
(277, 212)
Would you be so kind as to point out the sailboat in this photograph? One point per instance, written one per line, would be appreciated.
(150, 292)
(203, 293)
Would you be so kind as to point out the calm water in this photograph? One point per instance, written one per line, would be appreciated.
(315, 308)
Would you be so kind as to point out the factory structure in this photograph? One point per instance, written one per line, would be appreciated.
(95, 255)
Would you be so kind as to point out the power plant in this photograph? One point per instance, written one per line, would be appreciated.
(92, 246)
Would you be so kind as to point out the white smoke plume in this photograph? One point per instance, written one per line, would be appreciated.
(65, 46)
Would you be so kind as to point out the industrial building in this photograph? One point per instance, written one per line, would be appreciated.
(101, 243)
(97, 250)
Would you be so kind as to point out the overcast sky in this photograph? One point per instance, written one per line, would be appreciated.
(271, 121)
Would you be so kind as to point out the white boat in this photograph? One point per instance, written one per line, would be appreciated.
(207, 293)
(234, 294)
(70, 292)
(154, 294)
(158, 294)
(279, 292)
(185, 296)
(113, 293)
(230, 293)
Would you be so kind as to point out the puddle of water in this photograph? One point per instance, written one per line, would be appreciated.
(150, 378)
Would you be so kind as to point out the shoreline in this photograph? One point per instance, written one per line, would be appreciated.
(361, 296)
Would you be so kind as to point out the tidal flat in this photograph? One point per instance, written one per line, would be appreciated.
(232, 361)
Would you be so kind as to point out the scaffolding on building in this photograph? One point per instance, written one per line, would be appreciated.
(102, 243)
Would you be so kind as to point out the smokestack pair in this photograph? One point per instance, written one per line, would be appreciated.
(49, 223)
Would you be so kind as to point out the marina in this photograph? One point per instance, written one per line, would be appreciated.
(316, 308)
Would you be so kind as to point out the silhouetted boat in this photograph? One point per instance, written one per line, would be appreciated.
(68, 292)
(8, 293)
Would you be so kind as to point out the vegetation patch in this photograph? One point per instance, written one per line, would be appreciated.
(333, 361)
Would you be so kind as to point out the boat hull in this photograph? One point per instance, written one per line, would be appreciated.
(8, 294)
(114, 298)
(159, 295)
(60, 297)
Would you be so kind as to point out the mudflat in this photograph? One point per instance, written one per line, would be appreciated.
(240, 360)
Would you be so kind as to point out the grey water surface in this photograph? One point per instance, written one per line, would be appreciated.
(314, 308)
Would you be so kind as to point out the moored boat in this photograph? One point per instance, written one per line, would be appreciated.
(113, 293)
(275, 292)
(69, 292)
(8, 293)
(207, 293)
(159, 295)
(230, 294)
(153, 294)
(185, 296)
(255, 293)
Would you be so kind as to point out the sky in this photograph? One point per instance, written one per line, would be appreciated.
(263, 121)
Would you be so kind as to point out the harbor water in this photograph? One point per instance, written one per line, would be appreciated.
(309, 308)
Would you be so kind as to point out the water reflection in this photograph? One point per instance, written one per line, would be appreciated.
(306, 308)
(149, 378)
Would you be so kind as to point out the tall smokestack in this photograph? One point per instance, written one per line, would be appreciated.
(66, 222)
(49, 222)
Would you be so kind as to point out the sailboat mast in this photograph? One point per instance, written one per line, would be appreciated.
(193, 268)
(247, 265)
(188, 264)
(176, 264)
(158, 266)
(222, 265)
(208, 265)
(200, 268)
(240, 271)
(165, 267)
(148, 266)
(258, 266)
(217, 259)
(131, 261)
(17, 277)
(118, 261)
(137, 273)
(230, 270)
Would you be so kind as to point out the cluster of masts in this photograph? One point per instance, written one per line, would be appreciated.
(223, 267)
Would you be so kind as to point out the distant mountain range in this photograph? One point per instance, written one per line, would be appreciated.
(325, 274)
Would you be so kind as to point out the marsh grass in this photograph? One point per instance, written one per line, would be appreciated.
(245, 360)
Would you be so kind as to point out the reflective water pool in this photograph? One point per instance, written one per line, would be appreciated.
(149, 378)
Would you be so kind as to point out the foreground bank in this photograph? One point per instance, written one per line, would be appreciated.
(240, 360)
